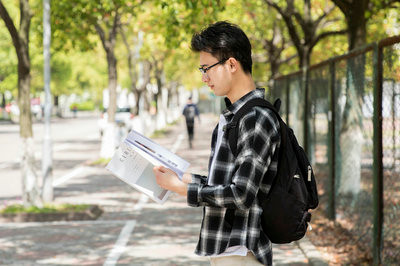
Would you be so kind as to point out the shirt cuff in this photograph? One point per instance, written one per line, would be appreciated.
(193, 195)
(196, 179)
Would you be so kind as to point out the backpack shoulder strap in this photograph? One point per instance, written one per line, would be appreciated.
(232, 129)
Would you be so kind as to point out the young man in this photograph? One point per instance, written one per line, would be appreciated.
(190, 111)
(231, 232)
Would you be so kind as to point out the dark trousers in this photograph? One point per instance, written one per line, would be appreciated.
(190, 131)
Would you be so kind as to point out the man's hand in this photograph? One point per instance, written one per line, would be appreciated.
(168, 179)
(187, 178)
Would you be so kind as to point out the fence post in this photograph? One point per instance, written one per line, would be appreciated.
(306, 128)
(377, 164)
(332, 143)
(287, 100)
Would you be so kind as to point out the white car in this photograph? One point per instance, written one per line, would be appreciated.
(123, 118)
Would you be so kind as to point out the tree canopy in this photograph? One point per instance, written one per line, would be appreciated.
(79, 61)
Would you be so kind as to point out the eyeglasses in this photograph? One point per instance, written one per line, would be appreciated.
(204, 70)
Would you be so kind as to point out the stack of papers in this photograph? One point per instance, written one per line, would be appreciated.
(134, 160)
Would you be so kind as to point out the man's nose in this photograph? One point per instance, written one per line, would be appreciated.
(204, 77)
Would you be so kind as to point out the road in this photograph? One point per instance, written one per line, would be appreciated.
(78, 136)
(133, 230)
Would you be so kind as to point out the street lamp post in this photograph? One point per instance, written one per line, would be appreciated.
(47, 160)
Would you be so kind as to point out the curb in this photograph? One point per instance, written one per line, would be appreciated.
(310, 252)
(6, 122)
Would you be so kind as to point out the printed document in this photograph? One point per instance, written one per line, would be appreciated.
(134, 160)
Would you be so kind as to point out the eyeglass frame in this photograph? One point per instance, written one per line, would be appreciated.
(204, 70)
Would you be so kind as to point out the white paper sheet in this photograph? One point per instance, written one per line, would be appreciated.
(134, 160)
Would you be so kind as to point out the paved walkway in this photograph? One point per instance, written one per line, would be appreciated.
(133, 230)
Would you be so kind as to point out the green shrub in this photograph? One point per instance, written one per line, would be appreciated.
(18, 208)
(83, 106)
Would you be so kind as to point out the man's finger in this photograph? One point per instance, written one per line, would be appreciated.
(160, 168)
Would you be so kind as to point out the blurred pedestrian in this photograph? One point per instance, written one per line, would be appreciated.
(231, 233)
(75, 110)
(190, 111)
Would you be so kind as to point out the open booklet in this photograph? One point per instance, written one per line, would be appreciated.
(134, 160)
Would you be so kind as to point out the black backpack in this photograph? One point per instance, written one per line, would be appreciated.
(190, 112)
(293, 192)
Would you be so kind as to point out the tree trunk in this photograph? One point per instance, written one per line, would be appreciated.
(30, 188)
(305, 63)
(132, 58)
(109, 142)
(3, 100)
(351, 137)
(112, 84)
(138, 95)
(159, 89)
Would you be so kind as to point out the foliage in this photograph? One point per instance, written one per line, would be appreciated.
(78, 61)
(8, 59)
(18, 208)
(83, 106)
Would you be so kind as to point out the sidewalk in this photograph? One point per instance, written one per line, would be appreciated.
(133, 230)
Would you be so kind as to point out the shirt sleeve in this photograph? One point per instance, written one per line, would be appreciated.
(257, 142)
(199, 179)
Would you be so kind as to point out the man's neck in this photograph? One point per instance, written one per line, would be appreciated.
(242, 85)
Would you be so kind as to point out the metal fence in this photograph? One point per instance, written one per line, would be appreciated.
(346, 113)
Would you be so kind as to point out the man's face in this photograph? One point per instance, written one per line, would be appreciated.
(218, 77)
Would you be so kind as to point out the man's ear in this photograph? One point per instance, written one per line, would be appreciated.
(233, 64)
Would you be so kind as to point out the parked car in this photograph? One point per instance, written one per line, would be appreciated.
(123, 118)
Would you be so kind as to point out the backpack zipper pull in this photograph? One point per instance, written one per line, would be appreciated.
(309, 173)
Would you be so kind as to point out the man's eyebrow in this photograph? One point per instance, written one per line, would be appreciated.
(203, 65)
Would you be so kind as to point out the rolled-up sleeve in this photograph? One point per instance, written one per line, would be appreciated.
(199, 179)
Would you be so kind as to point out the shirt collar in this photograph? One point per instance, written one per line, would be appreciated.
(231, 109)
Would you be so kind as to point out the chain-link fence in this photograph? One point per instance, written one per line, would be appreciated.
(352, 116)
(391, 153)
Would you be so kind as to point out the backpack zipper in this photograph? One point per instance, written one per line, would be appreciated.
(309, 173)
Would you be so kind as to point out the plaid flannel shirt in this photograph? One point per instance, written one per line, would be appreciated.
(231, 213)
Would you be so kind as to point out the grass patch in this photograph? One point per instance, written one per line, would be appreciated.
(159, 133)
(100, 162)
(18, 208)
(173, 123)
(4, 119)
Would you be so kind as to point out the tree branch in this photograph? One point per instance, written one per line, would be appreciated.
(25, 19)
(132, 73)
(113, 32)
(102, 35)
(286, 15)
(326, 34)
(274, 5)
(287, 59)
(318, 20)
(344, 5)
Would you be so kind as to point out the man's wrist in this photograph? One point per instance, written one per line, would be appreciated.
(182, 190)
(187, 178)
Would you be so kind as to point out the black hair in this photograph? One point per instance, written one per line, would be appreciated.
(223, 40)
